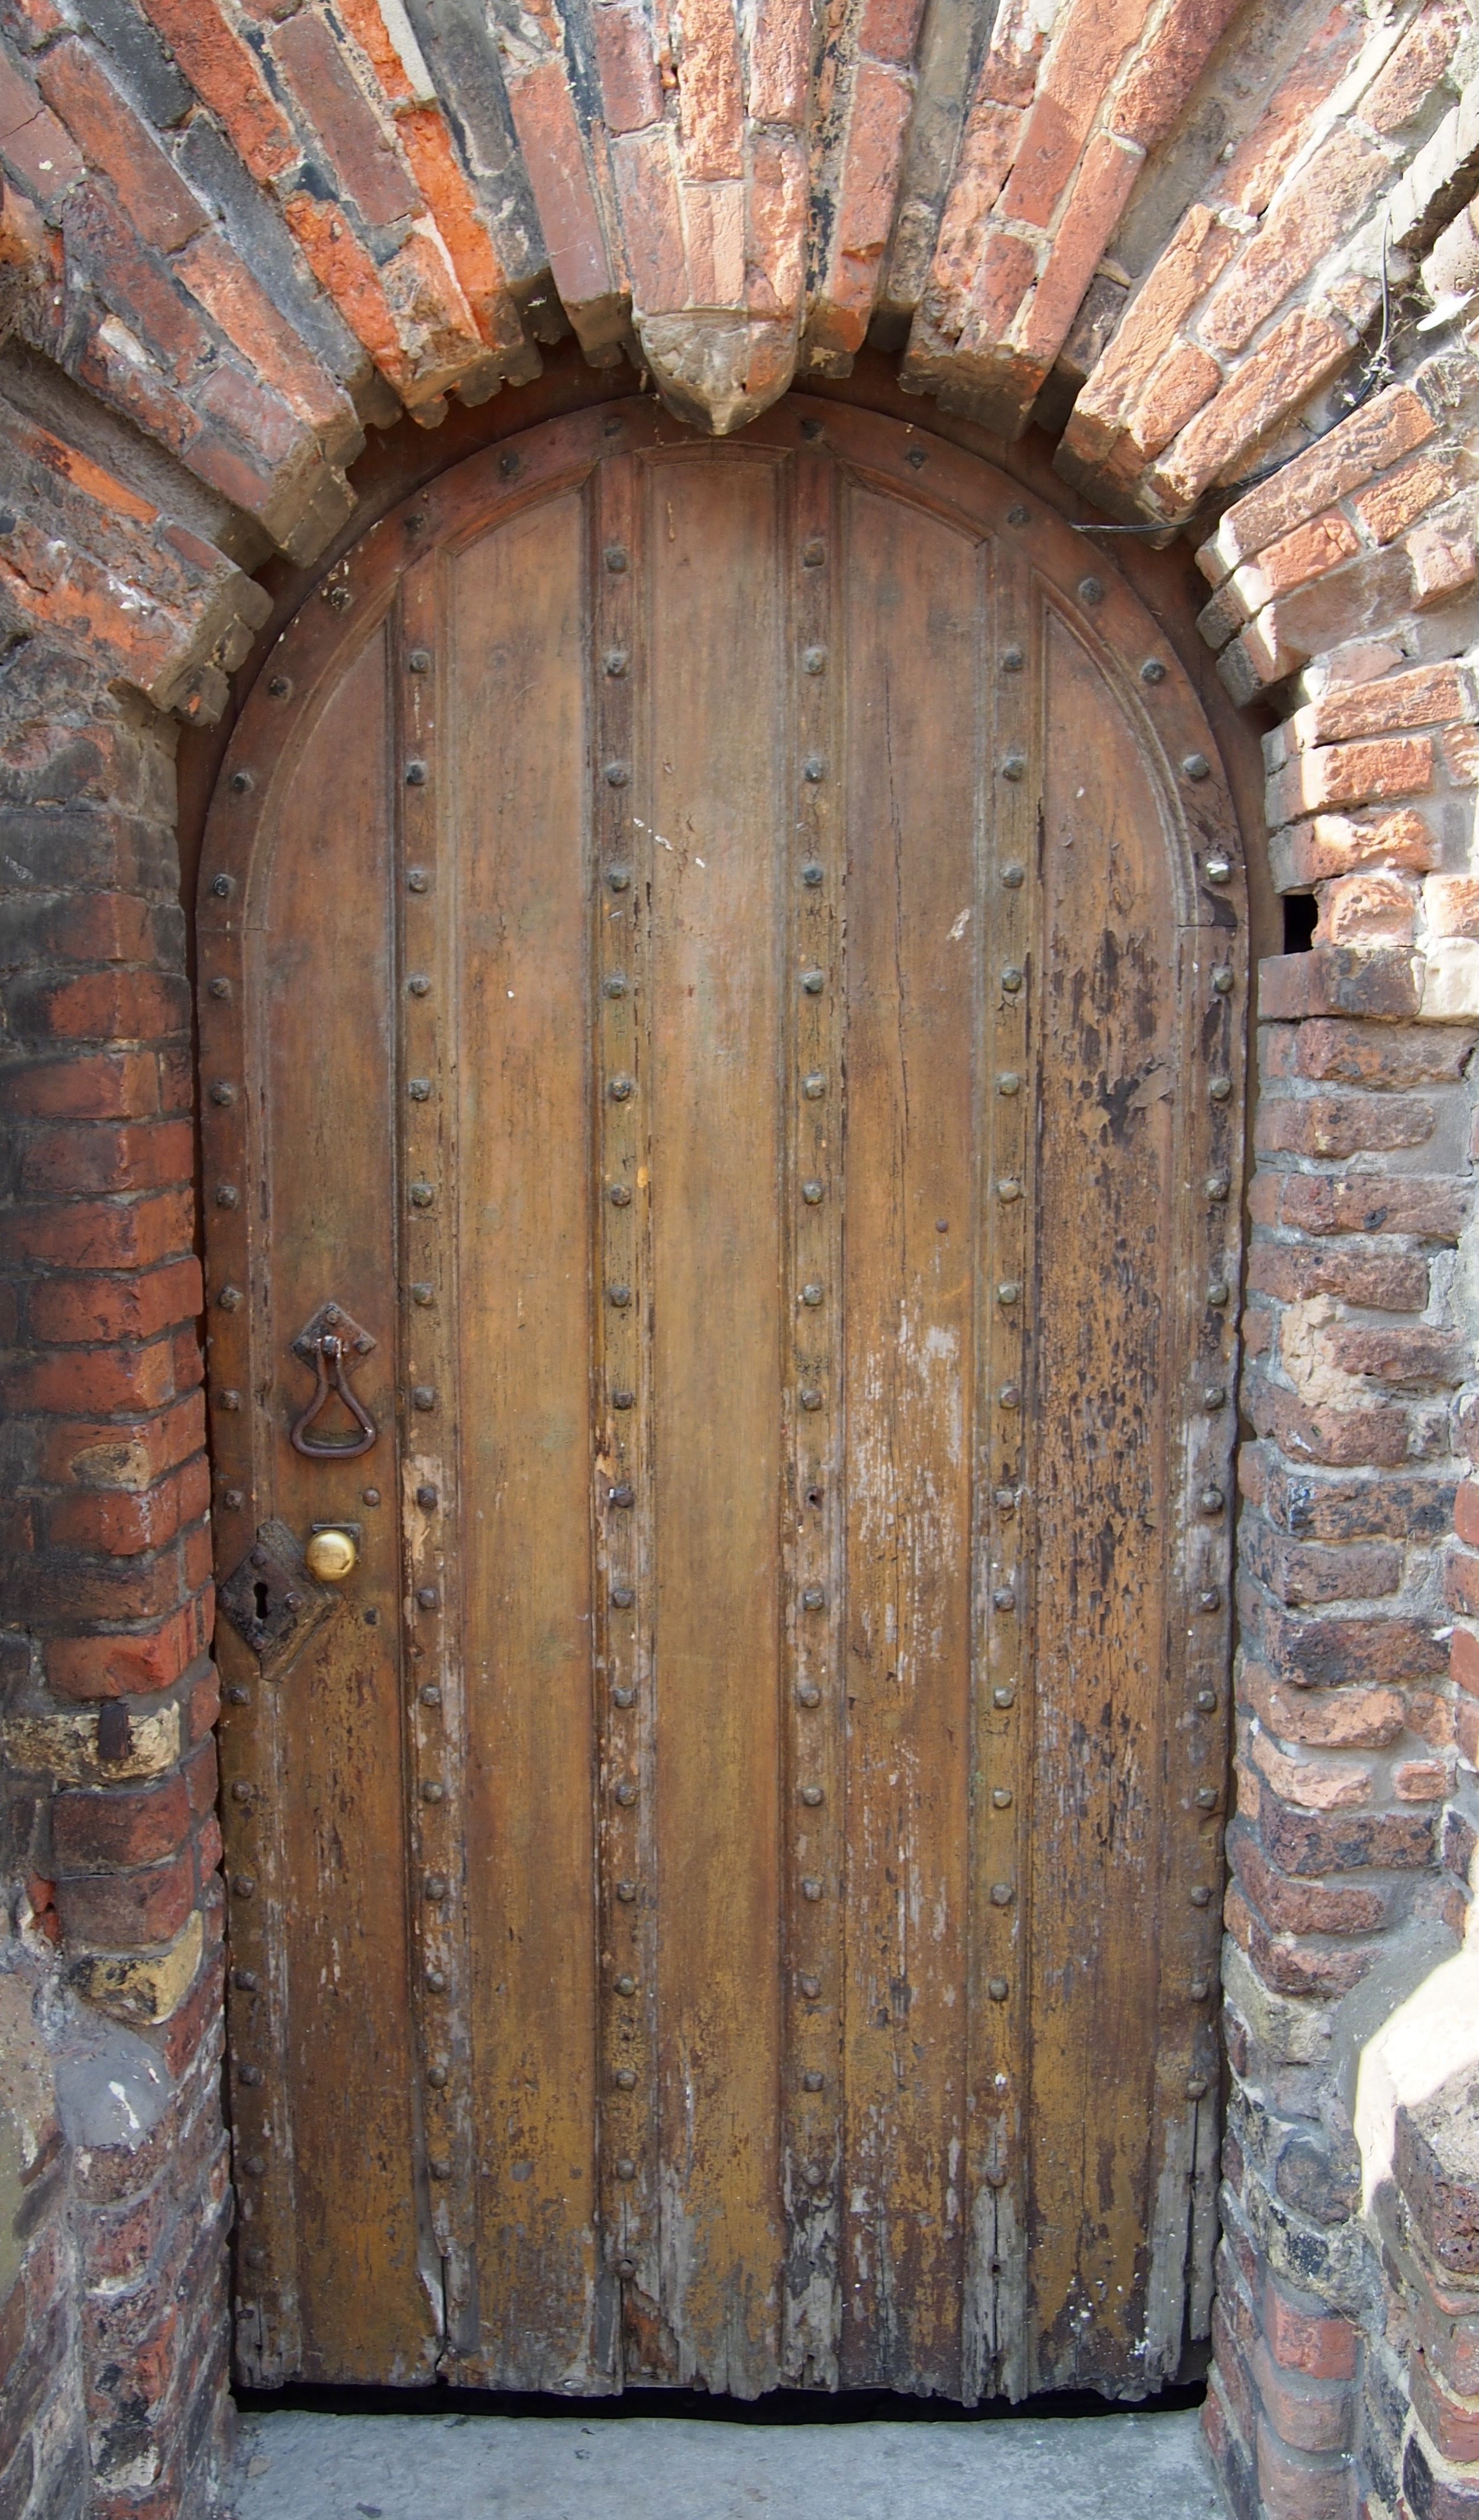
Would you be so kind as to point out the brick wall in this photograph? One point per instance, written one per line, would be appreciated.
(111, 1833)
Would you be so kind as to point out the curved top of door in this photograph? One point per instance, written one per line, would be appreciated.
(885, 455)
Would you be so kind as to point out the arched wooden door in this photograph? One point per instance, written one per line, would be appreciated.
(724, 965)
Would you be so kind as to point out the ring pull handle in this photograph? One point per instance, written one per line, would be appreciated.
(332, 1376)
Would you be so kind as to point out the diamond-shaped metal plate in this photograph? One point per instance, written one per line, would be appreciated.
(272, 1601)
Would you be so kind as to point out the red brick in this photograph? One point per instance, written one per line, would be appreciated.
(62, 1384)
(1324, 1653)
(63, 1310)
(710, 93)
(1325, 1719)
(1368, 909)
(1461, 1582)
(1347, 1054)
(101, 1085)
(1399, 1354)
(164, 209)
(360, 146)
(1372, 1203)
(246, 314)
(1233, 2369)
(345, 270)
(110, 1832)
(134, 1665)
(1334, 844)
(1432, 2491)
(1295, 2485)
(224, 73)
(1292, 1966)
(86, 1159)
(1289, 1906)
(1126, 374)
(1378, 981)
(549, 135)
(1421, 1780)
(1372, 440)
(1089, 44)
(128, 1911)
(881, 102)
(1351, 774)
(1315, 1842)
(1395, 1283)
(1302, 1574)
(1337, 1125)
(104, 1453)
(1444, 559)
(36, 150)
(1321, 203)
(1308, 2414)
(1463, 1659)
(1153, 91)
(112, 1007)
(647, 191)
(1453, 905)
(1296, 357)
(1416, 67)
(201, 1777)
(1100, 189)
(116, 1522)
(1307, 552)
(1304, 2336)
(1376, 1435)
(1390, 506)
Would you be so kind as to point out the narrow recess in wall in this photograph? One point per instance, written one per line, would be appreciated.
(1300, 912)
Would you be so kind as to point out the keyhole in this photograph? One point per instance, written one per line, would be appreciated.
(262, 1604)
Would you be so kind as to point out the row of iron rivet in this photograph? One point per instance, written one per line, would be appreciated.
(436, 1830)
(626, 1921)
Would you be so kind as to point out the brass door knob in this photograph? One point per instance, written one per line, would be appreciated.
(331, 1555)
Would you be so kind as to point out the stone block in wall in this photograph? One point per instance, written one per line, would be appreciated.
(1437, 2168)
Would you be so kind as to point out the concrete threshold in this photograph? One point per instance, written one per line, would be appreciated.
(299, 2466)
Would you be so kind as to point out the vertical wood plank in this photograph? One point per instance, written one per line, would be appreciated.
(329, 1085)
(716, 807)
(518, 638)
(913, 670)
(1101, 1304)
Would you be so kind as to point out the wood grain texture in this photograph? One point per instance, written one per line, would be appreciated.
(718, 947)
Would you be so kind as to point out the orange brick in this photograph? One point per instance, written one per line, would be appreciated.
(1298, 356)
(1349, 774)
(1307, 552)
(1444, 560)
(224, 73)
(1371, 441)
(133, 1665)
(1360, 908)
(1390, 506)
(63, 1310)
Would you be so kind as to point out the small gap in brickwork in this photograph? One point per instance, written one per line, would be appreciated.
(1300, 912)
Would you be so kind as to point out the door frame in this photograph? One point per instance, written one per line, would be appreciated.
(348, 579)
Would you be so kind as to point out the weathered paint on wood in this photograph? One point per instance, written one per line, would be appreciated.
(713, 953)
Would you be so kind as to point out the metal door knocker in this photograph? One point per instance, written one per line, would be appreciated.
(329, 1340)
